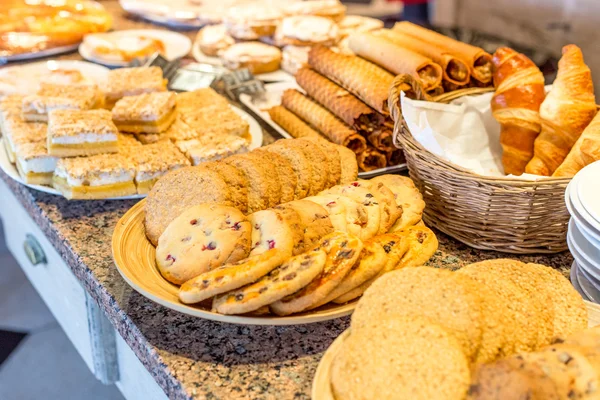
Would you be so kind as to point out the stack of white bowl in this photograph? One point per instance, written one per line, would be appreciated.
(583, 201)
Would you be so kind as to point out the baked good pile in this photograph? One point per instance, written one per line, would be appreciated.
(290, 253)
(424, 333)
(554, 134)
(66, 135)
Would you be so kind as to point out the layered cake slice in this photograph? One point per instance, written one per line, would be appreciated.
(34, 163)
(145, 113)
(200, 99)
(74, 133)
(18, 132)
(213, 147)
(60, 97)
(217, 121)
(153, 161)
(96, 177)
(133, 81)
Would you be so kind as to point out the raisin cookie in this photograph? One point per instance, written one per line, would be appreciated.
(230, 276)
(179, 190)
(345, 214)
(200, 239)
(314, 219)
(342, 252)
(272, 229)
(290, 277)
(390, 212)
(422, 245)
(407, 197)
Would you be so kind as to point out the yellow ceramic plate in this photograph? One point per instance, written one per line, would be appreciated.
(134, 257)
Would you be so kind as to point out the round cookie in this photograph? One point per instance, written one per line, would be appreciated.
(179, 190)
(316, 159)
(230, 276)
(336, 211)
(333, 159)
(275, 229)
(353, 213)
(570, 311)
(264, 189)
(286, 174)
(390, 212)
(235, 180)
(342, 252)
(408, 357)
(290, 277)
(447, 298)
(300, 164)
(408, 198)
(422, 245)
(258, 57)
(213, 38)
(313, 218)
(348, 163)
(200, 239)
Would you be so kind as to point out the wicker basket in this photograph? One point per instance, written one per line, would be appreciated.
(488, 213)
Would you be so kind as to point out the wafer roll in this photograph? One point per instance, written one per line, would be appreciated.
(396, 59)
(371, 159)
(365, 80)
(382, 139)
(395, 157)
(450, 87)
(479, 61)
(455, 70)
(339, 101)
(436, 91)
(291, 123)
(324, 121)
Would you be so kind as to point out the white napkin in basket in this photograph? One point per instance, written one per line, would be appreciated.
(463, 132)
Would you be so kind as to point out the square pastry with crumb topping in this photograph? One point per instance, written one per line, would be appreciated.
(18, 132)
(222, 121)
(96, 177)
(133, 81)
(153, 161)
(73, 133)
(34, 164)
(145, 113)
(59, 97)
(213, 147)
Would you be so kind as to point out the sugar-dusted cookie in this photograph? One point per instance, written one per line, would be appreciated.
(287, 176)
(390, 212)
(342, 252)
(290, 277)
(200, 239)
(300, 164)
(366, 198)
(333, 159)
(276, 229)
(230, 276)
(235, 180)
(179, 190)
(314, 219)
(407, 197)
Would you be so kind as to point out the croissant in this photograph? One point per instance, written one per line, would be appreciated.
(566, 111)
(585, 151)
(519, 93)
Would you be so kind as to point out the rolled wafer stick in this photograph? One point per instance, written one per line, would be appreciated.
(396, 59)
(382, 139)
(291, 123)
(322, 120)
(450, 87)
(339, 101)
(371, 159)
(436, 91)
(365, 80)
(455, 70)
(479, 61)
(395, 157)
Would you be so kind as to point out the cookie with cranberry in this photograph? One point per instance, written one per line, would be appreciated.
(290, 277)
(202, 238)
(345, 214)
(276, 229)
(390, 212)
(315, 220)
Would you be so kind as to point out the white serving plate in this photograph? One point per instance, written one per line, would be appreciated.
(575, 281)
(585, 228)
(590, 249)
(174, 13)
(42, 53)
(575, 184)
(275, 76)
(582, 260)
(272, 98)
(11, 170)
(176, 45)
(589, 285)
(588, 190)
(25, 79)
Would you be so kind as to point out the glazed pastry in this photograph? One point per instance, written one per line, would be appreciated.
(251, 21)
(258, 57)
(519, 93)
(306, 30)
(214, 38)
(585, 151)
(201, 239)
(566, 112)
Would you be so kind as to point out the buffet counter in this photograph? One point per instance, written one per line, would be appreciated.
(155, 348)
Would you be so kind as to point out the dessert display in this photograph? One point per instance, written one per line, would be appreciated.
(122, 48)
(430, 333)
(86, 152)
(36, 27)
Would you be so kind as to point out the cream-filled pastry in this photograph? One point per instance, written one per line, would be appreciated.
(34, 164)
(357, 23)
(122, 47)
(213, 38)
(74, 133)
(332, 9)
(251, 21)
(258, 57)
(133, 81)
(294, 58)
(145, 113)
(18, 132)
(307, 30)
(96, 177)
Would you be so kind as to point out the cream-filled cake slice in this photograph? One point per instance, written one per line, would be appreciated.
(34, 164)
(50, 96)
(73, 133)
(223, 121)
(213, 147)
(153, 161)
(18, 132)
(10, 106)
(145, 113)
(133, 81)
(96, 177)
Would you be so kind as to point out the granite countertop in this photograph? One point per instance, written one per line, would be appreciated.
(190, 357)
